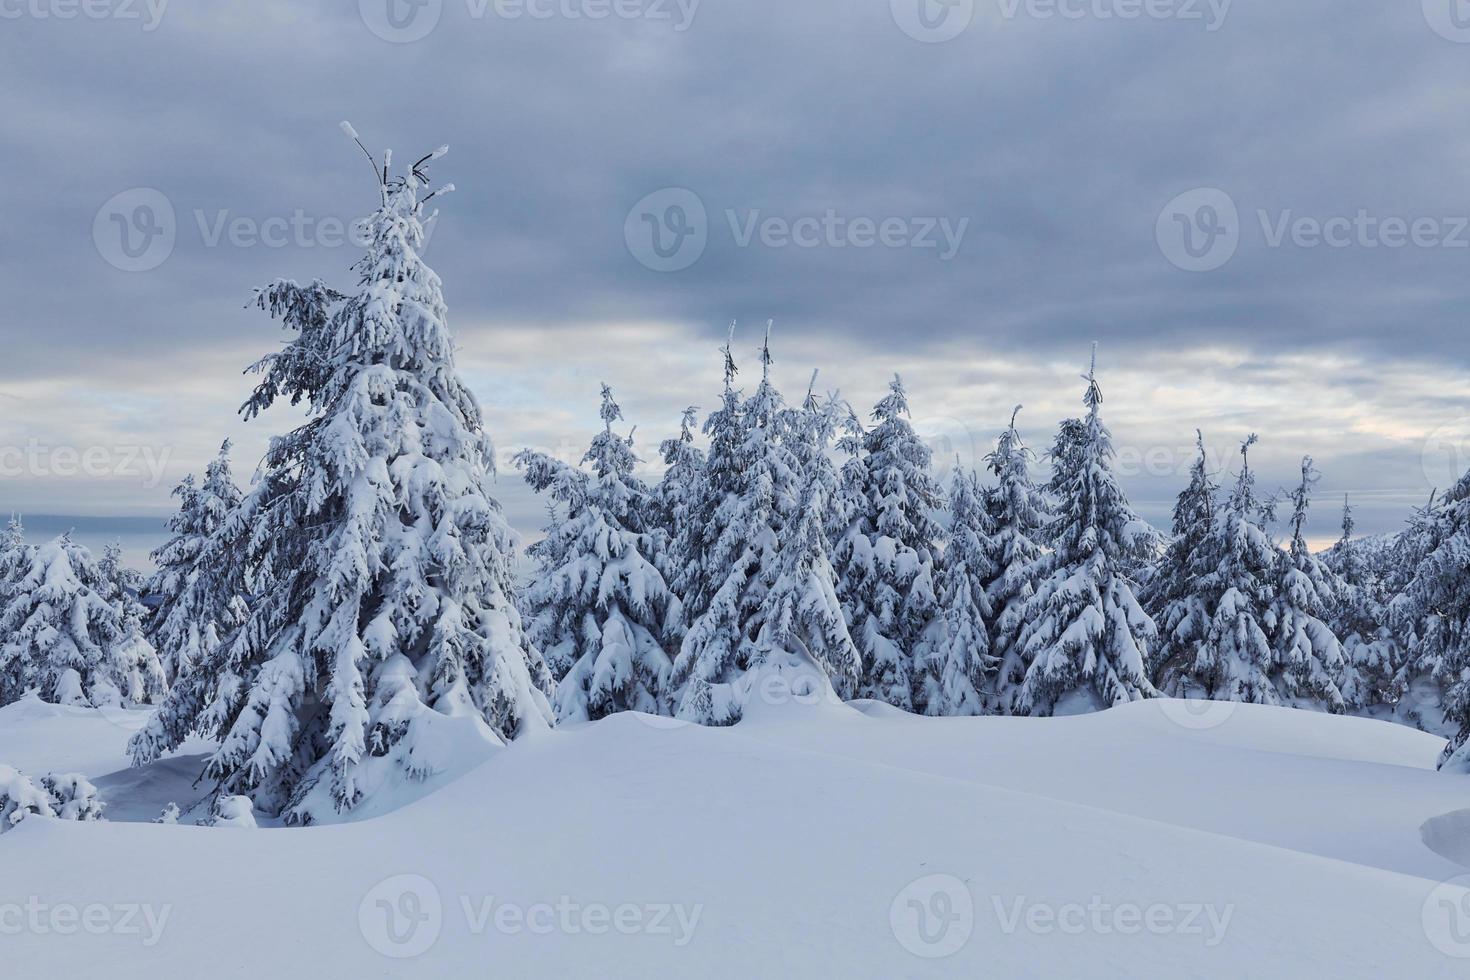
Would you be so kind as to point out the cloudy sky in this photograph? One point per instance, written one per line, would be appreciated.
(1259, 209)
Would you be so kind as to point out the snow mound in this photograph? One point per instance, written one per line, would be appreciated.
(36, 736)
(796, 849)
(1448, 835)
(811, 839)
(789, 689)
(441, 749)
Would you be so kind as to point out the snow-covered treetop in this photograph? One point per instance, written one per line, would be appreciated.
(900, 486)
(1301, 501)
(1094, 517)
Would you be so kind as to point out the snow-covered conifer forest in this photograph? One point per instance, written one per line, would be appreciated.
(777, 683)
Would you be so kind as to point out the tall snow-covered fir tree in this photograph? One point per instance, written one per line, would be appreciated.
(803, 631)
(15, 557)
(1182, 595)
(1436, 604)
(683, 465)
(1418, 683)
(381, 599)
(954, 666)
(697, 573)
(1086, 638)
(1371, 654)
(601, 611)
(1234, 588)
(65, 636)
(196, 612)
(1018, 517)
(750, 455)
(675, 499)
(15, 560)
(1308, 654)
(885, 559)
(124, 589)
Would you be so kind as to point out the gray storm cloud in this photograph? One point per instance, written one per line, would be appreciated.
(1069, 142)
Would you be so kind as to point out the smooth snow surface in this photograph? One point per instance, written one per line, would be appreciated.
(810, 840)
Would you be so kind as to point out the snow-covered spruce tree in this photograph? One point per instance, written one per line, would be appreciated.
(124, 589)
(954, 665)
(599, 604)
(683, 465)
(1418, 683)
(196, 609)
(696, 572)
(803, 624)
(1237, 569)
(750, 456)
(238, 555)
(1436, 602)
(675, 500)
(381, 591)
(64, 635)
(1086, 638)
(1183, 593)
(1018, 516)
(885, 558)
(775, 607)
(1308, 654)
(15, 558)
(1371, 655)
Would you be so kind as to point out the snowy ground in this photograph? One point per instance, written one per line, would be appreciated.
(823, 840)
